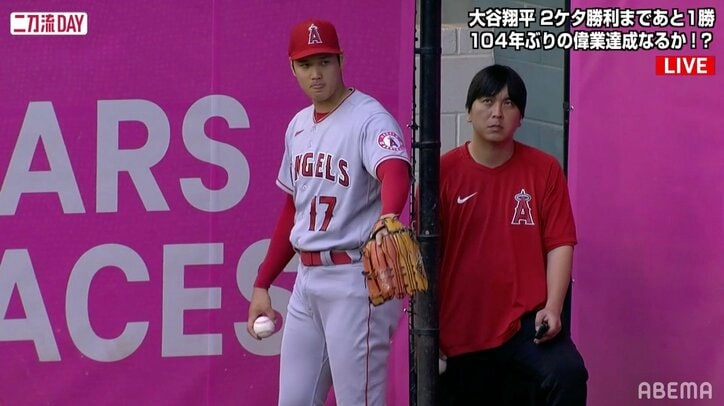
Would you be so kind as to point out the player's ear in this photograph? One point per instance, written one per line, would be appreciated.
(340, 59)
(291, 65)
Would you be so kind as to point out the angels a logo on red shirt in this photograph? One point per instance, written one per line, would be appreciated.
(522, 213)
(390, 140)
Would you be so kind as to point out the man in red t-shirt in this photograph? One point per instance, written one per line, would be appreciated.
(507, 237)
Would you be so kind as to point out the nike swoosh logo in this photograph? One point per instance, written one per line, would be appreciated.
(462, 200)
(298, 132)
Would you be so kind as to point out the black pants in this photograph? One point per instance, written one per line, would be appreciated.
(519, 372)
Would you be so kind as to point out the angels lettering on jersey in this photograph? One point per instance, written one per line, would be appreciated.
(321, 165)
(522, 213)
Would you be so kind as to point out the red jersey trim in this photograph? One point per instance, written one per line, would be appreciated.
(284, 187)
(314, 113)
(385, 158)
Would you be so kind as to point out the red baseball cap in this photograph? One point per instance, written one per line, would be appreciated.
(313, 37)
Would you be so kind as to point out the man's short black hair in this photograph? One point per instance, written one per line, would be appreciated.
(491, 80)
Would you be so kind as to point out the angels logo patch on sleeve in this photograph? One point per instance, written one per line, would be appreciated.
(390, 140)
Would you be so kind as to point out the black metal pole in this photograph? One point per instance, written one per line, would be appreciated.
(566, 316)
(566, 93)
(425, 328)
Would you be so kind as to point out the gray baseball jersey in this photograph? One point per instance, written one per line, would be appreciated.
(329, 168)
(331, 331)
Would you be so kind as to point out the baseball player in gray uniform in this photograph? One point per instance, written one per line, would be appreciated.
(345, 165)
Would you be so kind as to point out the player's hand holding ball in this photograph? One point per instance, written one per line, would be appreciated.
(264, 326)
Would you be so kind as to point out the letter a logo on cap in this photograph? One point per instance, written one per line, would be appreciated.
(306, 39)
(314, 37)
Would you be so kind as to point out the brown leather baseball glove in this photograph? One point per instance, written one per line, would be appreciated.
(394, 268)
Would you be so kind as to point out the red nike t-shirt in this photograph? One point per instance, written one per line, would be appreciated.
(497, 225)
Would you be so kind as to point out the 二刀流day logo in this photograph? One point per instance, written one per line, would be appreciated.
(48, 23)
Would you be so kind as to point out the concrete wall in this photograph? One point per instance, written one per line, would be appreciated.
(459, 64)
(541, 70)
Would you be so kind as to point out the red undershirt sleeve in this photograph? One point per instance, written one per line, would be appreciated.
(395, 177)
(280, 248)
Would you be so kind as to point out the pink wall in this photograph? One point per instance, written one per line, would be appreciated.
(106, 166)
(647, 184)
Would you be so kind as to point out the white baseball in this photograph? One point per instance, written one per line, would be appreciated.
(264, 327)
